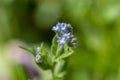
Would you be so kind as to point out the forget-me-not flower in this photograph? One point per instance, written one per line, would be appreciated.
(64, 33)
(38, 57)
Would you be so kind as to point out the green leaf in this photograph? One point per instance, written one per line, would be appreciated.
(61, 74)
(45, 64)
(30, 49)
(43, 51)
(54, 45)
(66, 53)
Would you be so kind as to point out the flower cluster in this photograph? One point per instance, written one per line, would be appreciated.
(64, 33)
(38, 57)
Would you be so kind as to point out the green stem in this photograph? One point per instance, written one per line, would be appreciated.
(59, 49)
(58, 66)
(53, 75)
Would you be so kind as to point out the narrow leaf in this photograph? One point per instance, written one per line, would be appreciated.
(67, 52)
(54, 45)
(43, 52)
(30, 49)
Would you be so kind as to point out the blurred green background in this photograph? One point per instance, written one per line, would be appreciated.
(96, 24)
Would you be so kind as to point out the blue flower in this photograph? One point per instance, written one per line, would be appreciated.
(61, 40)
(73, 41)
(63, 26)
(38, 56)
(66, 28)
(55, 28)
(38, 50)
(64, 33)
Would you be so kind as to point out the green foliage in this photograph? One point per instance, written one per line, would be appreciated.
(30, 49)
(55, 62)
(44, 53)
(54, 45)
(96, 24)
(44, 57)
